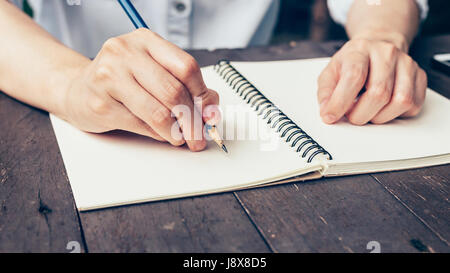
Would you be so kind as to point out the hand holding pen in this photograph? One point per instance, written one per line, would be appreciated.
(138, 22)
(133, 84)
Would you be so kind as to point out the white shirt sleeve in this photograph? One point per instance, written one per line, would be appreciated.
(339, 8)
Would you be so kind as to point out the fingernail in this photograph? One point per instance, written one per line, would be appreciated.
(329, 119)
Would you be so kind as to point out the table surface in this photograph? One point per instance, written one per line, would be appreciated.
(405, 211)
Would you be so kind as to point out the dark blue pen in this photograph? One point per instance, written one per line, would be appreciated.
(133, 14)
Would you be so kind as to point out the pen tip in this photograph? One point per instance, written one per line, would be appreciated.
(224, 148)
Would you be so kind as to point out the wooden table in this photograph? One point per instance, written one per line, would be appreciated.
(406, 211)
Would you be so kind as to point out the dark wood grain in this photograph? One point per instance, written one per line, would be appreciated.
(213, 223)
(37, 211)
(425, 193)
(292, 50)
(336, 215)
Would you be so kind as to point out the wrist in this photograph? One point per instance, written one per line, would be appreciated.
(396, 38)
(60, 84)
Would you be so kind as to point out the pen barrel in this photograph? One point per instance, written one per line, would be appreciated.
(214, 134)
(132, 13)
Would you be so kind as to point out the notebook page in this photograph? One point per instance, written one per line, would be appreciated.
(292, 86)
(119, 168)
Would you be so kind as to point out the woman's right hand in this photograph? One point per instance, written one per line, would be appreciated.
(134, 84)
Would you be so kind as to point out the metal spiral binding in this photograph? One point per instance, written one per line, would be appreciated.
(289, 131)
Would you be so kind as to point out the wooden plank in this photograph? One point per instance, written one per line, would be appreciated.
(425, 193)
(336, 215)
(37, 211)
(214, 223)
(290, 51)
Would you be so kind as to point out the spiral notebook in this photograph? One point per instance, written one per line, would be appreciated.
(291, 142)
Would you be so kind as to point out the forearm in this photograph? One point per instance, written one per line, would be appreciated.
(393, 21)
(34, 67)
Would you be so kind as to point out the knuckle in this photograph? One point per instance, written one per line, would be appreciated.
(115, 45)
(161, 117)
(390, 50)
(189, 68)
(103, 72)
(145, 33)
(354, 72)
(379, 93)
(405, 99)
(210, 97)
(175, 93)
(361, 44)
(409, 61)
(142, 32)
(99, 106)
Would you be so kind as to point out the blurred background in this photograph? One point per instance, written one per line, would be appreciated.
(310, 20)
(317, 25)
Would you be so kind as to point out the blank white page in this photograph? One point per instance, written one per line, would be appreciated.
(292, 86)
(119, 168)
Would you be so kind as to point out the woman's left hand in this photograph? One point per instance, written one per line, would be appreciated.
(395, 84)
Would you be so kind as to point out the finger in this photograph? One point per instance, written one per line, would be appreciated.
(419, 94)
(139, 102)
(379, 88)
(403, 94)
(127, 121)
(327, 82)
(182, 66)
(352, 76)
(113, 115)
(173, 95)
(211, 111)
